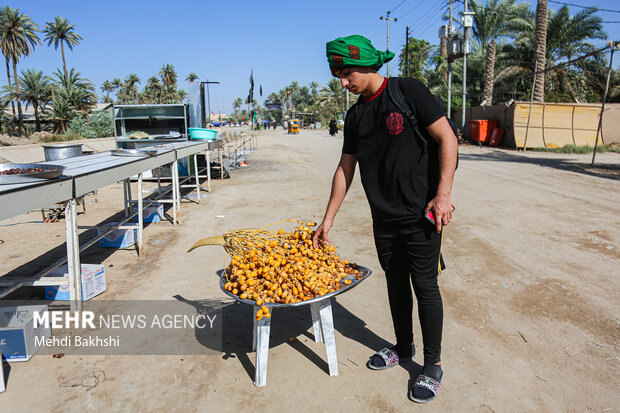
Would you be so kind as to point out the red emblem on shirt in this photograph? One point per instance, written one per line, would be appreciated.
(395, 123)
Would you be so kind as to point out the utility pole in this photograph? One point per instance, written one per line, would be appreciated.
(407, 52)
(450, 66)
(468, 21)
(388, 19)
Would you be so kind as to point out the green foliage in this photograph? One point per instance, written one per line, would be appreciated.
(98, 125)
(418, 53)
(579, 149)
(102, 124)
(513, 26)
(80, 127)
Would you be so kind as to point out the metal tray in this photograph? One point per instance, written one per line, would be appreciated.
(343, 287)
(134, 152)
(50, 172)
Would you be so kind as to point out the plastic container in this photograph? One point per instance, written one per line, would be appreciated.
(480, 130)
(496, 137)
(201, 133)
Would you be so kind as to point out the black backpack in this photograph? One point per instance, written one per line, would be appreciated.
(396, 95)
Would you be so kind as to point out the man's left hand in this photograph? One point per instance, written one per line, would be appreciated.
(442, 209)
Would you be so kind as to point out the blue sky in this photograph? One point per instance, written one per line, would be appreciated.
(222, 41)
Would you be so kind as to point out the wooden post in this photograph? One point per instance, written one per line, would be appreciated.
(529, 114)
(613, 46)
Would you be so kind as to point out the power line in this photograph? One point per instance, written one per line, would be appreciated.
(434, 22)
(399, 4)
(425, 17)
(412, 9)
(424, 27)
(583, 7)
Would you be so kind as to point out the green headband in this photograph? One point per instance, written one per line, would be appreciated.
(355, 50)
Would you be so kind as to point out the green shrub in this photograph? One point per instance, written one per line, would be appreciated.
(102, 124)
(79, 126)
(98, 125)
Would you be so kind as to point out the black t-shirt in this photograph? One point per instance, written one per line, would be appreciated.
(396, 173)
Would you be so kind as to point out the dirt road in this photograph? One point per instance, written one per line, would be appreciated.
(530, 294)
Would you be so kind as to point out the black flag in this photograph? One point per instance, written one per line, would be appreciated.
(261, 90)
(251, 94)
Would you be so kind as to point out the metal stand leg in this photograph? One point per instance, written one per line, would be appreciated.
(73, 256)
(178, 186)
(2, 387)
(261, 332)
(254, 328)
(197, 180)
(158, 181)
(140, 218)
(327, 322)
(221, 163)
(209, 171)
(317, 329)
(129, 196)
(174, 194)
(125, 199)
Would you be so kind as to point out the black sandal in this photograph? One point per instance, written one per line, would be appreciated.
(425, 382)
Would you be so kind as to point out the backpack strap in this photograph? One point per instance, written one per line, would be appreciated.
(397, 98)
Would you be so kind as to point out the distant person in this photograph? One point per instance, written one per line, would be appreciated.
(406, 171)
(333, 127)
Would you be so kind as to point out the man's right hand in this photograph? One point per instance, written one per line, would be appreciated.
(321, 233)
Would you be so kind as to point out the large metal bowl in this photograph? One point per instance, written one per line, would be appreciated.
(62, 151)
(343, 287)
(49, 172)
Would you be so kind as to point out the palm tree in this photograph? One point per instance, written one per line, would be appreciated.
(117, 84)
(131, 86)
(79, 92)
(107, 87)
(154, 88)
(62, 112)
(191, 77)
(59, 32)
(332, 96)
(181, 95)
(36, 90)
(7, 57)
(170, 94)
(237, 104)
(314, 88)
(498, 18)
(18, 36)
(541, 50)
(567, 37)
(168, 75)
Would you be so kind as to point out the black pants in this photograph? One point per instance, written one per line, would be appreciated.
(410, 255)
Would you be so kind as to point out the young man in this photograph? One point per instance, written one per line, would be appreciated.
(403, 177)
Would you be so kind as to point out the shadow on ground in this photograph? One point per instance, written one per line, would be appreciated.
(287, 323)
(607, 171)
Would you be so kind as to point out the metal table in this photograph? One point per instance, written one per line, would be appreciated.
(83, 175)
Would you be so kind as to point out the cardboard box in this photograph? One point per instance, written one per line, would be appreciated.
(152, 213)
(93, 283)
(17, 332)
(119, 238)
